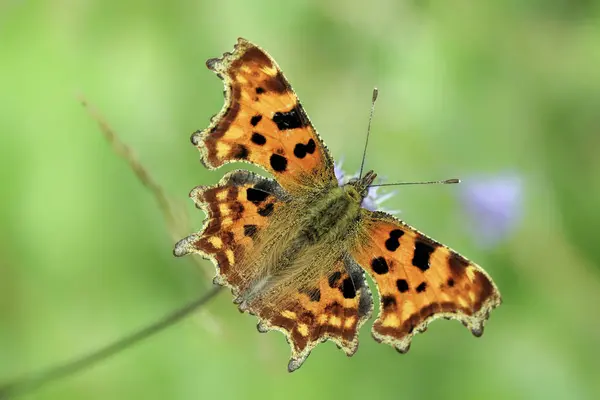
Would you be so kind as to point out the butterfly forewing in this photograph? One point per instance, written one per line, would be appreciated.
(263, 122)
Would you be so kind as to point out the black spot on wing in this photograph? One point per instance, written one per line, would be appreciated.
(393, 242)
(266, 210)
(292, 119)
(348, 289)
(422, 254)
(278, 163)
(301, 150)
(402, 285)
(270, 186)
(379, 265)
(260, 90)
(249, 230)
(256, 196)
(258, 139)
(421, 287)
(255, 120)
(315, 294)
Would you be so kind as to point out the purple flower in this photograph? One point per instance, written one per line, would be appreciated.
(493, 205)
(339, 172)
(373, 200)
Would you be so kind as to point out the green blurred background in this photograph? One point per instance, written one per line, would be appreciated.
(466, 88)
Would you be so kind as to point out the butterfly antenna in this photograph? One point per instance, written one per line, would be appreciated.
(443, 182)
(362, 164)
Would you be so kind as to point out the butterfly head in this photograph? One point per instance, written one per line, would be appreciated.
(358, 188)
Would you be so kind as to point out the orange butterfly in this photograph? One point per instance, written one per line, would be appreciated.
(294, 249)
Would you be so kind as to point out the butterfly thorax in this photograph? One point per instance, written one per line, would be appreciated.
(330, 217)
(332, 214)
(326, 223)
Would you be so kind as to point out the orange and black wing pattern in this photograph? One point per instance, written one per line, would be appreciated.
(420, 280)
(334, 309)
(237, 209)
(263, 123)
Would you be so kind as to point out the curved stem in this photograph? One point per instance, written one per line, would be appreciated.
(36, 380)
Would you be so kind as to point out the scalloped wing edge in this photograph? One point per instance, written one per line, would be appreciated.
(475, 323)
(220, 67)
(183, 247)
(296, 360)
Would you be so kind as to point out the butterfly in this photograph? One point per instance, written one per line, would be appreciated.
(294, 249)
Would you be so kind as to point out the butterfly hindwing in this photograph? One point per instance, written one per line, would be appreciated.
(263, 122)
(420, 280)
(334, 309)
(237, 209)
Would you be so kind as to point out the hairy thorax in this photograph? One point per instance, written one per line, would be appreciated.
(310, 235)
(330, 218)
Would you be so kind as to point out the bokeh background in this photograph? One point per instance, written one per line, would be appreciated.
(505, 95)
